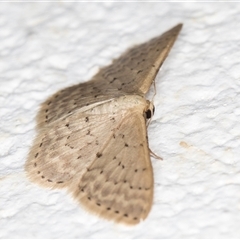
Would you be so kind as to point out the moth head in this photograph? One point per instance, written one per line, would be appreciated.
(149, 111)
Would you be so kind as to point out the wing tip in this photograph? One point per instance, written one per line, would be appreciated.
(179, 25)
(177, 28)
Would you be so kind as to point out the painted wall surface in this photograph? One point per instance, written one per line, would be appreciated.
(45, 47)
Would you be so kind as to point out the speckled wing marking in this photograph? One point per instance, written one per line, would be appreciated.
(61, 154)
(137, 68)
(101, 155)
(133, 72)
(119, 183)
(92, 137)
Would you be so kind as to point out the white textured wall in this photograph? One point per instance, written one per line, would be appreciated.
(196, 129)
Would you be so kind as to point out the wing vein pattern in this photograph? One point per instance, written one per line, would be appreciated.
(92, 137)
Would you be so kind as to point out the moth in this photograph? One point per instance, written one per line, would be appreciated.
(92, 137)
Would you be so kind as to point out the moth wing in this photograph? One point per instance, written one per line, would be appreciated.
(68, 147)
(119, 184)
(136, 69)
(133, 72)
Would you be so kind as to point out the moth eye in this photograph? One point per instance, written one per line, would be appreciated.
(148, 114)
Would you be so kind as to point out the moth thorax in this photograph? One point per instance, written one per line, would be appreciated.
(149, 111)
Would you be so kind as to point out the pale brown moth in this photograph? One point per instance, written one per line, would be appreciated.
(92, 137)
